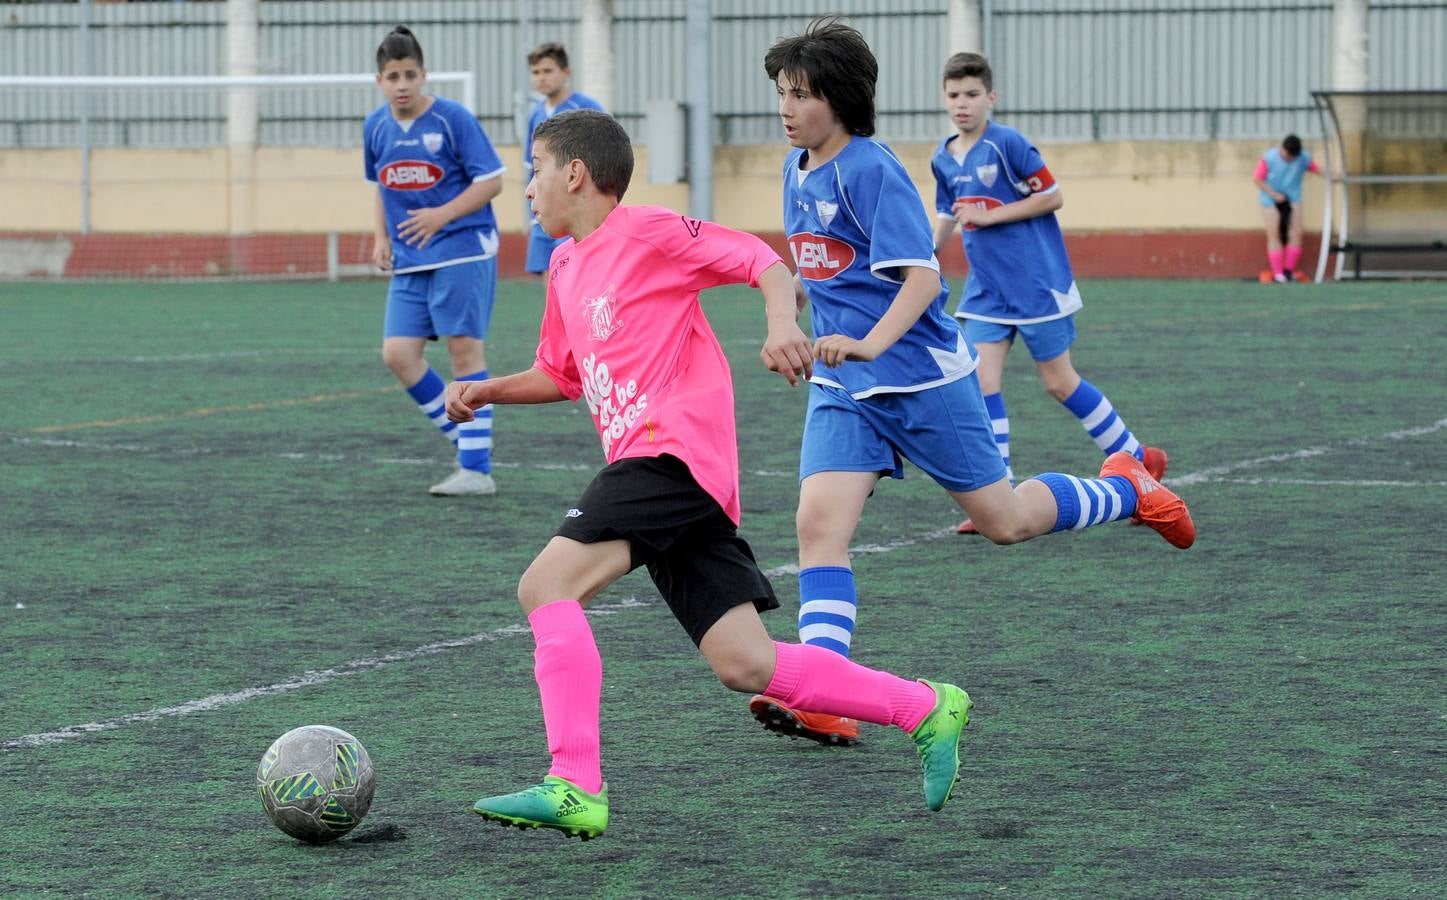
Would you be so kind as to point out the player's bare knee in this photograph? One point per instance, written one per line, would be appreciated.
(1001, 532)
(1060, 390)
(747, 673)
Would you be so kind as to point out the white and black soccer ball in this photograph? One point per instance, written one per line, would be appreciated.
(316, 783)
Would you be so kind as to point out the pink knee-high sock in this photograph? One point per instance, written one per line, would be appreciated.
(570, 680)
(1277, 260)
(1293, 256)
(820, 680)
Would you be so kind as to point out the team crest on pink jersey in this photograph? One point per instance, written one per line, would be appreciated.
(819, 257)
(988, 174)
(410, 175)
(602, 311)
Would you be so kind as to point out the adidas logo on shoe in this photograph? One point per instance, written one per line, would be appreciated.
(571, 806)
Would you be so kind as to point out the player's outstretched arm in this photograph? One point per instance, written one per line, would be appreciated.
(944, 227)
(786, 349)
(921, 287)
(532, 386)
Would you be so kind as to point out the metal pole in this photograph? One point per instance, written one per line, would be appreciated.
(85, 11)
(522, 104)
(699, 41)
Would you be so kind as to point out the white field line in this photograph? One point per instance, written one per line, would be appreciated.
(356, 667)
(1216, 472)
(322, 457)
(201, 357)
(306, 679)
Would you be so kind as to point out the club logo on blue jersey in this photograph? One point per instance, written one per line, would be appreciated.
(410, 175)
(432, 141)
(819, 258)
(987, 174)
(827, 211)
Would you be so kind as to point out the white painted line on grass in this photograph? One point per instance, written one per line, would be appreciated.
(1305, 453)
(306, 679)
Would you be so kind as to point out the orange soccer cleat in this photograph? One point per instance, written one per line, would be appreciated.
(1156, 505)
(824, 729)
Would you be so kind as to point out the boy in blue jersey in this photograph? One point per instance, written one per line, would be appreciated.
(897, 379)
(992, 181)
(436, 175)
(548, 68)
(1278, 176)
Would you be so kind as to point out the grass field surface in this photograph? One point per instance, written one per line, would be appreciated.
(214, 527)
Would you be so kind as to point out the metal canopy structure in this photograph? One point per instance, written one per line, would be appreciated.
(1386, 196)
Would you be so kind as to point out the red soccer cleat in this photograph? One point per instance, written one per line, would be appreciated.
(825, 729)
(1156, 505)
(1155, 460)
(967, 527)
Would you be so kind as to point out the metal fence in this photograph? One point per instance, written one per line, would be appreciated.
(1066, 69)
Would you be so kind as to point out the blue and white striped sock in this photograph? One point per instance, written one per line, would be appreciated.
(1101, 421)
(995, 406)
(1082, 502)
(474, 439)
(826, 607)
(428, 395)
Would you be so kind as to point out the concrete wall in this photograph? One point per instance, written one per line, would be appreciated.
(1135, 186)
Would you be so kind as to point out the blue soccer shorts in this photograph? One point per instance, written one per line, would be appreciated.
(449, 302)
(1045, 340)
(540, 249)
(944, 430)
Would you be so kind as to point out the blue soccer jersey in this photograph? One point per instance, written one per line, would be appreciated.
(1284, 177)
(854, 223)
(541, 113)
(424, 163)
(1019, 271)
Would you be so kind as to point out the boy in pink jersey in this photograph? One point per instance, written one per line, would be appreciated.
(623, 329)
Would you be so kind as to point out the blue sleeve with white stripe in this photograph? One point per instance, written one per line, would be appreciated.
(888, 208)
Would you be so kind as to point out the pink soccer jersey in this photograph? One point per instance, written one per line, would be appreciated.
(623, 329)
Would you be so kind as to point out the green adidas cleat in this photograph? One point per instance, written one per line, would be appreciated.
(556, 803)
(937, 740)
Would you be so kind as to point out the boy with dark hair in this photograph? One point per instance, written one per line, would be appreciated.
(1278, 176)
(993, 182)
(550, 75)
(623, 328)
(434, 230)
(898, 377)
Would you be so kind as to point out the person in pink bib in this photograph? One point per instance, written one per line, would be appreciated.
(623, 330)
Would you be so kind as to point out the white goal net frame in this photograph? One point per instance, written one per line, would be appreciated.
(238, 105)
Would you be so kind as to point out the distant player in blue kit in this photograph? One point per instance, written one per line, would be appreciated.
(548, 69)
(436, 175)
(992, 181)
(897, 379)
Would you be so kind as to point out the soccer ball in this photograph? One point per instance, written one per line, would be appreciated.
(315, 783)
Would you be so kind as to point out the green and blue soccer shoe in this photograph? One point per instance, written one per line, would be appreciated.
(937, 740)
(556, 803)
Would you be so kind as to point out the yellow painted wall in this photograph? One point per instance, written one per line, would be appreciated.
(1108, 186)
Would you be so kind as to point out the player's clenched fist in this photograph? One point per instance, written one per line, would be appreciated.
(465, 396)
(786, 351)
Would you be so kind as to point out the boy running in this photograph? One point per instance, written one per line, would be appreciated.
(993, 182)
(623, 328)
(898, 378)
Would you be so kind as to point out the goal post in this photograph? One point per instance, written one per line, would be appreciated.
(1386, 172)
(189, 176)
